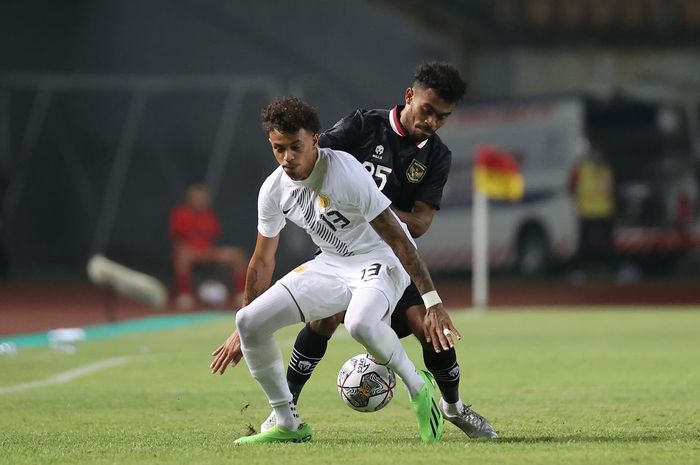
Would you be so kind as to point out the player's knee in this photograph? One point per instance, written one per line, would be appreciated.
(327, 326)
(420, 335)
(359, 330)
(414, 318)
(245, 322)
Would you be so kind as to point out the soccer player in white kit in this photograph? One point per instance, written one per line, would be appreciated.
(367, 262)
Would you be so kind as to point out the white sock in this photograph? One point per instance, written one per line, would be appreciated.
(453, 409)
(403, 366)
(287, 416)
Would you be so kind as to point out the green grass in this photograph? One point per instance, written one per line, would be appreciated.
(605, 386)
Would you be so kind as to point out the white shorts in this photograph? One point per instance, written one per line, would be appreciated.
(324, 286)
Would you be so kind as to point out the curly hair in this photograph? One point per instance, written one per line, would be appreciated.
(443, 78)
(289, 114)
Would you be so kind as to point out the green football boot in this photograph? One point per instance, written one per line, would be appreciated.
(430, 421)
(278, 434)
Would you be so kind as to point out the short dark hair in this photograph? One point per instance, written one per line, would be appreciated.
(289, 114)
(443, 78)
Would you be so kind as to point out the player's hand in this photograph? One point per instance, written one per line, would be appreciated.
(228, 353)
(439, 328)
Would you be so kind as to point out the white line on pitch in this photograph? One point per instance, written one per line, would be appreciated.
(67, 376)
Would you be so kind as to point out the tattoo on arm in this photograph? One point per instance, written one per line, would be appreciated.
(252, 291)
(388, 228)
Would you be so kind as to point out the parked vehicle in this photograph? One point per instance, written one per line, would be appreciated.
(652, 142)
(543, 135)
(649, 138)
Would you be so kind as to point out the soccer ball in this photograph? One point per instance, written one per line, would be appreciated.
(365, 385)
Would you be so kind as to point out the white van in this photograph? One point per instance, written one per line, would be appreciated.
(543, 136)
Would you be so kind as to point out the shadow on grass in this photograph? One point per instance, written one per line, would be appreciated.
(580, 439)
(537, 440)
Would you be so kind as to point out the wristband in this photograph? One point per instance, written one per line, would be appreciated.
(431, 298)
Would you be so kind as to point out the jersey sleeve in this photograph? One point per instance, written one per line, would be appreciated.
(271, 220)
(345, 134)
(430, 190)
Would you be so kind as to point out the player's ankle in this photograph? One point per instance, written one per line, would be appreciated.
(289, 425)
(453, 408)
(413, 384)
(287, 416)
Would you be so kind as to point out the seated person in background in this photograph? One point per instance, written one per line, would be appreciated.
(194, 228)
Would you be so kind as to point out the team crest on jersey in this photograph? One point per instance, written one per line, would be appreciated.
(379, 149)
(416, 171)
(324, 201)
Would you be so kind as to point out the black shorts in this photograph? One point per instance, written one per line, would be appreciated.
(410, 297)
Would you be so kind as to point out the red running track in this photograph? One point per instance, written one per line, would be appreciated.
(25, 308)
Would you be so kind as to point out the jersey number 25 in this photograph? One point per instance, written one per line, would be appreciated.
(379, 172)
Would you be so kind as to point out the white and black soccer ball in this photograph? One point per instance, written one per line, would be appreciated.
(365, 385)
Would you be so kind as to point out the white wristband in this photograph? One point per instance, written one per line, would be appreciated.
(431, 298)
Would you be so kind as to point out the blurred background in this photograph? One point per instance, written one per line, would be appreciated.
(109, 110)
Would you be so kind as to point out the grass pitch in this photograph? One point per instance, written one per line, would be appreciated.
(562, 387)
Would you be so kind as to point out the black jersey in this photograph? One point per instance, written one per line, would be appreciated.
(405, 171)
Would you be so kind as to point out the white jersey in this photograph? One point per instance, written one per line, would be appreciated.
(334, 205)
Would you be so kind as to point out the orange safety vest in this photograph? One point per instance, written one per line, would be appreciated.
(594, 191)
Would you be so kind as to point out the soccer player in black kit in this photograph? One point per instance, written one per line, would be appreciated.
(410, 164)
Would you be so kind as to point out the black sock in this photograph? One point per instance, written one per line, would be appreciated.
(445, 369)
(309, 349)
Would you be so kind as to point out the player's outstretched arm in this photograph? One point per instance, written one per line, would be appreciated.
(439, 328)
(258, 279)
(260, 267)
